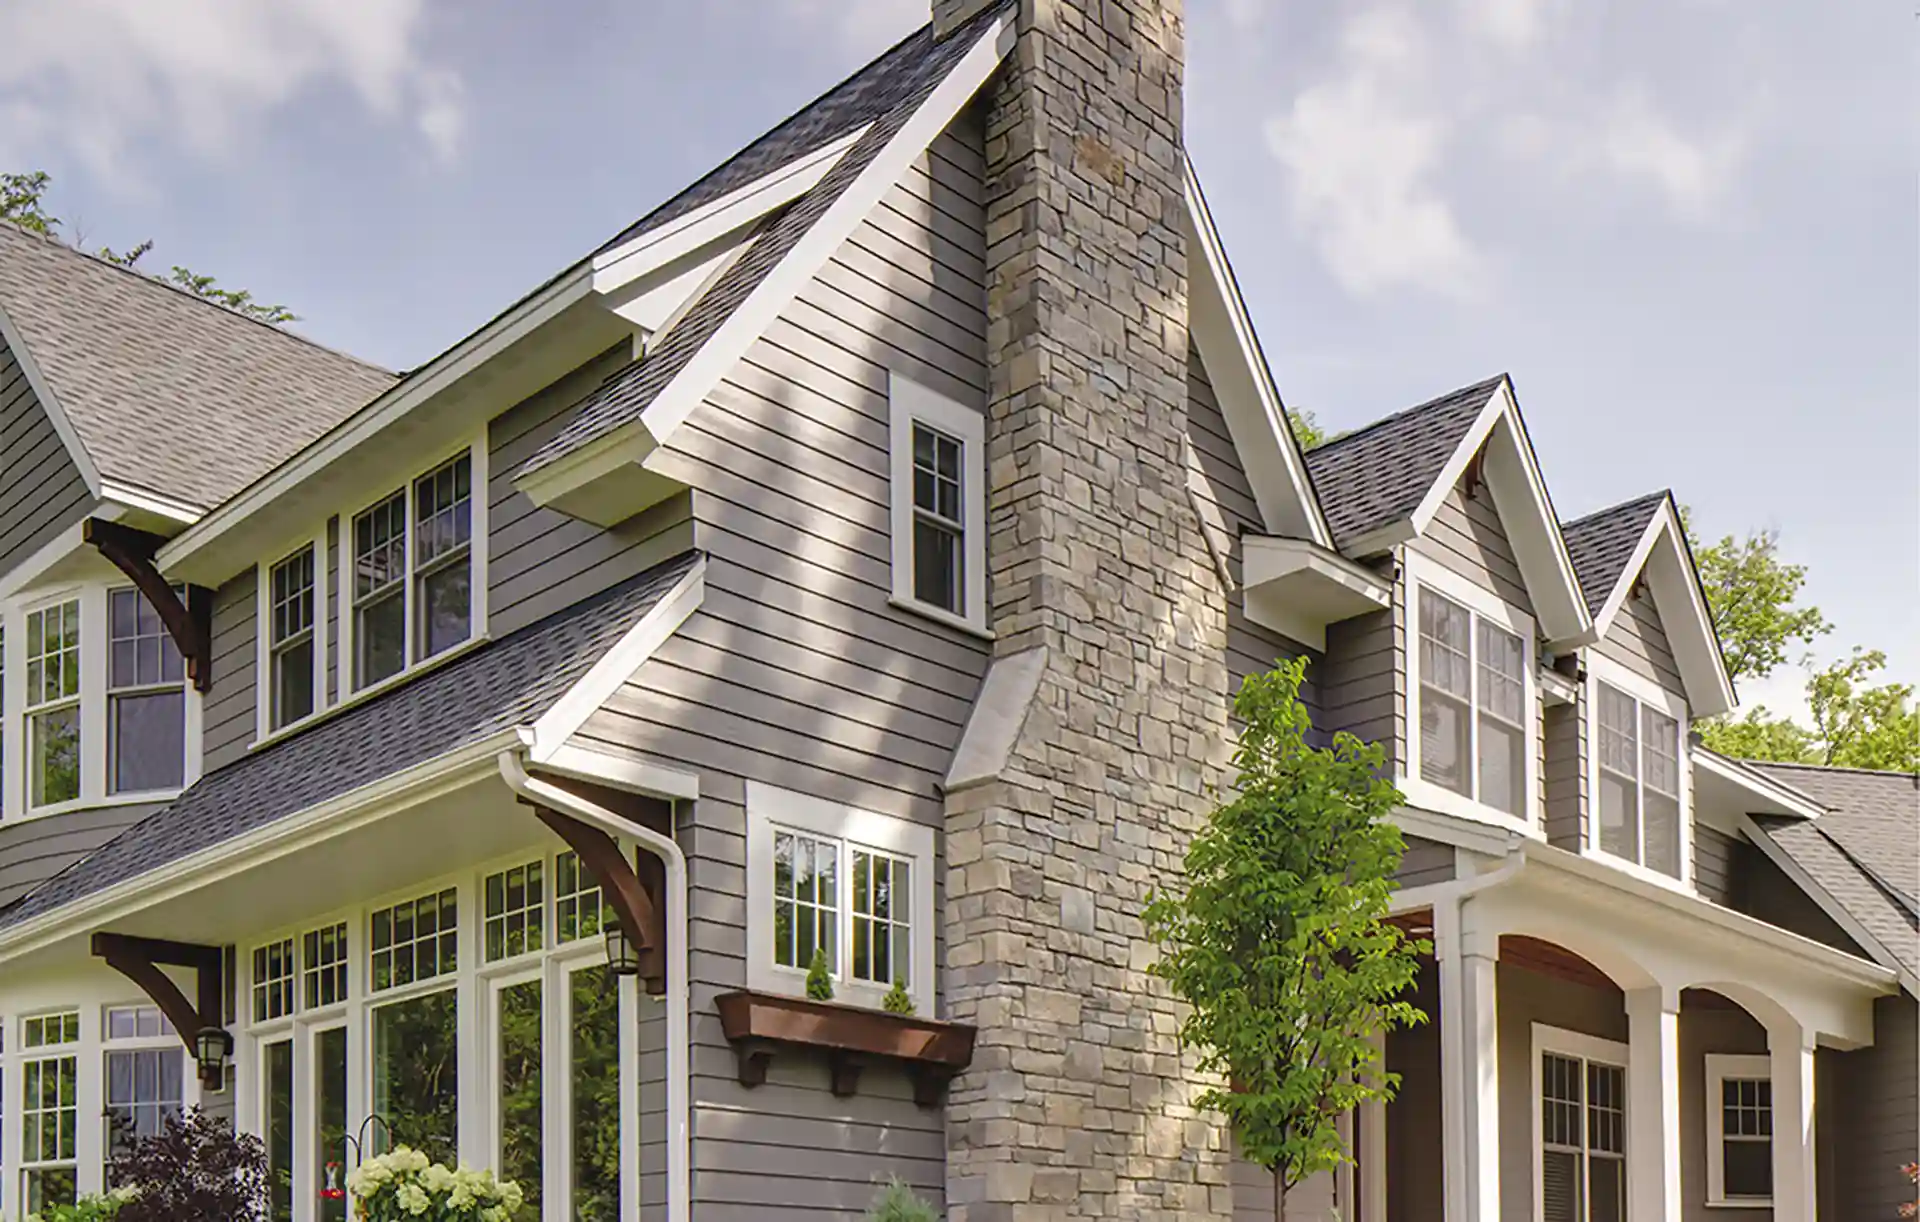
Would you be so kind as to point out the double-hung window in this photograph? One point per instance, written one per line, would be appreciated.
(852, 886)
(413, 572)
(1639, 795)
(1739, 1130)
(53, 703)
(1581, 1123)
(49, 1111)
(939, 506)
(292, 639)
(146, 698)
(1475, 736)
(145, 1074)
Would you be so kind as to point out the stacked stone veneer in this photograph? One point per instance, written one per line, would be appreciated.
(1079, 1102)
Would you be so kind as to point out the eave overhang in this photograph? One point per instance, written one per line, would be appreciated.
(1725, 789)
(1297, 588)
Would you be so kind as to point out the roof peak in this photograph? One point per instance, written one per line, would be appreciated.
(1487, 384)
(1619, 507)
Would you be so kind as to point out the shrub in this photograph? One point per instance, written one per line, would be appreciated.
(87, 1209)
(897, 1203)
(819, 979)
(405, 1186)
(897, 1000)
(196, 1166)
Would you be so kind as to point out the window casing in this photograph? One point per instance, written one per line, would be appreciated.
(854, 884)
(1472, 738)
(143, 1076)
(146, 698)
(295, 651)
(1580, 1127)
(939, 505)
(49, 1111)
(1639, 783)
(53, 704)
(1739, 1116)
(413, 571)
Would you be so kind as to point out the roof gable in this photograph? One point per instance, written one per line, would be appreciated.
(1377, 476)
(159, 390)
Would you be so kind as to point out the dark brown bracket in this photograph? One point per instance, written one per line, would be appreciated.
(1475, 475)
(140, 960)
(189, 622)
(637, 896)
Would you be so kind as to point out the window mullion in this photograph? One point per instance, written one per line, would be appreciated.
(1473, 703)
(408, 650)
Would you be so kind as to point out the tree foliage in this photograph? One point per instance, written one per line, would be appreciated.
(1307, 433)
(196, 1166)
(1755, 598)
(1278, 942)
(23, 201)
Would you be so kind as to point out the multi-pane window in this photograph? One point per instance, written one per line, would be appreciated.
(939, 527)
(1473, 705)
(136, 1023)
(143, 1088)
(1583, 1139)
(1639, 799)
(415, 940)
(576, 896)
(1739, 1130)
(273, 972)
(806, 905)
(515, 907)
(413, 550)
(323, 965)
(146, 698)
(291, 638)
(882, 917)
(50, 1030)
(49, 1128)
(53, 704)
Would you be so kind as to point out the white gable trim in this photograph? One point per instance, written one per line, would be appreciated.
(1662, 554)
(636, 440)
(1789, 799)
(50, 404)
(1794, 871)
(617, 665)
(1514, 474)
(1243, 383)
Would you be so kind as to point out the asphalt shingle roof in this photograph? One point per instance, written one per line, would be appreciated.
(168, 392)
(885, 94)
(500, 685)
(1601, 543)
(1379, 474)
(1865, 852)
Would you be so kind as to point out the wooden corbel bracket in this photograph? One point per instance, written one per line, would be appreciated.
(189, 622)
(140, 960)
(637, 896)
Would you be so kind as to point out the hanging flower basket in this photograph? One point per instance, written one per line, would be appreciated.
(404, 1185)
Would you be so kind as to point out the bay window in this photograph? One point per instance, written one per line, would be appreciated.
(1473, 750)
(53, 704)
(1639, 784)
(146, 698)
(411, 576)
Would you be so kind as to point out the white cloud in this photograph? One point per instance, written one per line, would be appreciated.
(107, 77)
(1636, 141)
(1515, 25)
(1360, 154)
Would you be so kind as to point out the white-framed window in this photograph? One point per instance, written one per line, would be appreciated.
(273, 974)
(1638, 782)
(49, 1111)
(146, 698)
(854, 884)
(577, 909)
(413, 571)
(514, 911)
(1580, 1127)
(293, 647)
(939, 518)
(53, 703)
(414, 940)
(144, 1075)
(1739, 1106)
(1472, 745)
(323, 966)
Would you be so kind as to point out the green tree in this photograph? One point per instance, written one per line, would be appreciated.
(1860, 726)
(1307, 433)
(1278, 942)
(23, 201)
(1759, 736)
(1755, 599)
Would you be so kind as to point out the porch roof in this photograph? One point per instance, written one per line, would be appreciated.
(497, 686)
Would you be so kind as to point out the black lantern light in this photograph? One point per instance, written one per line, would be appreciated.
(211, 1048)
(623, 959)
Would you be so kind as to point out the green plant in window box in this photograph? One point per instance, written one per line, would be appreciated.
(897, 1000)
(819, 979)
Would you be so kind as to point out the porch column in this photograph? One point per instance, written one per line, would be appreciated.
(1371, 1141)
(1791, 1049)
(1653, 1104)
(1469, 1064)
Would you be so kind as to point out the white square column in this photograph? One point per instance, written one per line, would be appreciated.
(1653, 1104)
(1469, 1064)
(1791, 1050)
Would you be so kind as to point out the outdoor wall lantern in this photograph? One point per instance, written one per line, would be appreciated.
(622, 958)
(211, 1048)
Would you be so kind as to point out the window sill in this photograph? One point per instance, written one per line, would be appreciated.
(1425, 795)
(1742, 1203)
(1645, 874)
(105, 802)
(932, 1051)
(370, 692)
(938, 616)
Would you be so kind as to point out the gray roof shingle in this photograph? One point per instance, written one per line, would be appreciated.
(1601, 543)
(170, 393)
(500, 685)
(886, 94)
(1379, 474)
(1865, 852)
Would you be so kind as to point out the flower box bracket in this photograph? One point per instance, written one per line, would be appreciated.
(761, 1025)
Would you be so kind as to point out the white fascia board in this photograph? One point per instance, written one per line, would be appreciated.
(357, 807)
(1662, 555)
(417, 388)
(1513, 470)
(1784, 799)
(50, 404)
(1798, 875)
(593, 689)
(1267, 558)
(654, 249)
(150, 502)
(1243, 382)
(635, 440)
(1556, 688)
(1296, 587)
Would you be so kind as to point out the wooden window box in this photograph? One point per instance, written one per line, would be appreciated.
(759, 1023)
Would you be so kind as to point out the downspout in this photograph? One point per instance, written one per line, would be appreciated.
(679, 1046)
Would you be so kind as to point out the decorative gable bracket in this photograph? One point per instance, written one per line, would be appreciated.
(189, 622)
(140, 960)
(637, 895)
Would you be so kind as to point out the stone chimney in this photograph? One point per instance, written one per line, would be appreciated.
(1079, 1103)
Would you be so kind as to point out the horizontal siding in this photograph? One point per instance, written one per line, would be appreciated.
(228, 709)
(1467, 537)
(1704, 1030)
(1425, 862)
(41, 490)
(1565, 773)
(34, 850)
(1363, 681)
(1526, 998)
(1879, 1120)
(1713, 864)
(796, 671)
(1636, 640)
(1761, 889)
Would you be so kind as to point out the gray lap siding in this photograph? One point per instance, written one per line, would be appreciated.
(34, 850)
(41, 490)
(228, 710)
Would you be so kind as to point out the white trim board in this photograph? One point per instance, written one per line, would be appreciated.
(50, 404)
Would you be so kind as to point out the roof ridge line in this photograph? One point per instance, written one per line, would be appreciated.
(1660, 495)
(1383, 421)
(1912, 776)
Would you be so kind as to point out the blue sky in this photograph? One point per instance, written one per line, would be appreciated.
(1687, 228)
